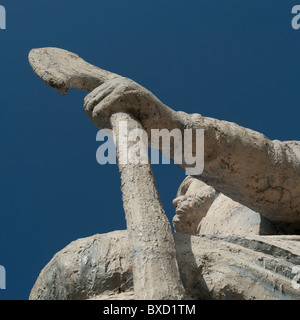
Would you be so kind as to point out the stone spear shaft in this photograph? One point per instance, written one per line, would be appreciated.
(155, 269)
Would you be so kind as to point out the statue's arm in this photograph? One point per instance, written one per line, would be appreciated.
(241, 163)
(248, 167)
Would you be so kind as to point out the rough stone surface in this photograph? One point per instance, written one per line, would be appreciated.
(250, 188)
(87, 267)
(229, 217)
(155, 268)
(211, 267)
(202, 210)
(243, 164)
(62, 70)
(193, 200)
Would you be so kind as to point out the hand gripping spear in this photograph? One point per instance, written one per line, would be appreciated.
(155, 269)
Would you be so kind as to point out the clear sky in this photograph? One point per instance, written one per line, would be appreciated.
(232, 60)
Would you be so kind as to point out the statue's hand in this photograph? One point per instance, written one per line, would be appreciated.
(120, 95)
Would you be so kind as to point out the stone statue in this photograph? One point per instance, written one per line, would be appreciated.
(202, 210)
(245, 165)
(237, 223)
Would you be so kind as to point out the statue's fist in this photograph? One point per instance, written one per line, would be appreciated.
(119, 95)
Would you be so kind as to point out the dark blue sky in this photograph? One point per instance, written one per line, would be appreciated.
(233, 60)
